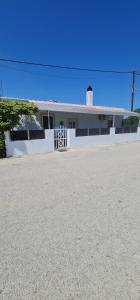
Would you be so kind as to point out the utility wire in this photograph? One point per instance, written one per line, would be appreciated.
(134, 73)
(45, 74)
(64, 67)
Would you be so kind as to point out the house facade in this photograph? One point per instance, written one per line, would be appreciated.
(53, 115)
(61, 125)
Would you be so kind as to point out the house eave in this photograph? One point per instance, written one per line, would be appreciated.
(75, 108)
(84, 110)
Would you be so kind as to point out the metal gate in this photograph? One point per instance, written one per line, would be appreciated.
(60, 138)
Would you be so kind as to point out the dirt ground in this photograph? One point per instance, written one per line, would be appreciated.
(70, 225)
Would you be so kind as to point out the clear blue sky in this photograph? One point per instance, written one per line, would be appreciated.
(95, 34)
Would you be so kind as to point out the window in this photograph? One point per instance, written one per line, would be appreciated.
(102, 117)
(61, 124)
(72, 124)
(18, 135)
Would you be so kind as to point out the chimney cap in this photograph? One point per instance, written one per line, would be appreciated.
(89, 89)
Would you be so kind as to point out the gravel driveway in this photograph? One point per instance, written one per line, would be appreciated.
(70, 225)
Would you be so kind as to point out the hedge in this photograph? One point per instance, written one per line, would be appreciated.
(2, 145)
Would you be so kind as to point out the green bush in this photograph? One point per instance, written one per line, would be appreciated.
(2, 145)
(130, 121)
(10, 112)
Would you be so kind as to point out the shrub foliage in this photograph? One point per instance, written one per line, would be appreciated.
(10, 112)
(132, 121)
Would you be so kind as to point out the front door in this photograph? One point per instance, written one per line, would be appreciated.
(110, 123)
(48, 122)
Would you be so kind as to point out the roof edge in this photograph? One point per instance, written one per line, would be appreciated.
(100, 109)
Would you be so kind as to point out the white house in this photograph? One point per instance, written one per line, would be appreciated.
(62, 125)
(54, 115)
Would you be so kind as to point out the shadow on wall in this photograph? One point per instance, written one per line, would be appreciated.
(29, 123)
(16, 148)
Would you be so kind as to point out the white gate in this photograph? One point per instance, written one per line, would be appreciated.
(60, 138)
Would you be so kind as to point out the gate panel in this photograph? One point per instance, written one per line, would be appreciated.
(60, 138)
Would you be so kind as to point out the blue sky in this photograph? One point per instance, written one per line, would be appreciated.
(95, 34)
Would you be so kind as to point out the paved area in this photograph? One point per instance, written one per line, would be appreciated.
(70, 225)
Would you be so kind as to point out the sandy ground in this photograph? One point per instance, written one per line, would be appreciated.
(70, 225)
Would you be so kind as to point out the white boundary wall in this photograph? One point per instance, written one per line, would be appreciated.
(90, 141)
(18, 148)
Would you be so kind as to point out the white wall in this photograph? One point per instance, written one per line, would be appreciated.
(17, 148)
(90, 141)
(83, 120)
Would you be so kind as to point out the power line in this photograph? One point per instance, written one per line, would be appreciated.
(46, 74)
(64, 67)
(134, 73)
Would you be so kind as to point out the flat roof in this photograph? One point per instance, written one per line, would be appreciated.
(52, 105)
(78, 108)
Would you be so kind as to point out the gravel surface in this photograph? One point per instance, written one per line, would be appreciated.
(70, 225)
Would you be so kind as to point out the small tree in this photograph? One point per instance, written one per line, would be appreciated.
(132, 121)
(10, 112)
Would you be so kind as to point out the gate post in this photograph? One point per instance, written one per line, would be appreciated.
(138, 130)
(7, 136)
(49, 135)
(68, 138)
(112, 131)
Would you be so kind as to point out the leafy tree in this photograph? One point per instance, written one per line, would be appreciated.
(2, 145)
(10, 112)
(132, 121)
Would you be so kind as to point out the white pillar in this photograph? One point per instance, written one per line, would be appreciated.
(46, 133)
(48, 120)
(68, 137)
(113, 125)
(112, 131)
(7, 136)
(49, 135)
(138, 129)
(71, 137)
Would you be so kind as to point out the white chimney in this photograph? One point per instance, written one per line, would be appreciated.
(89, 96)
